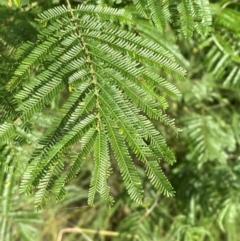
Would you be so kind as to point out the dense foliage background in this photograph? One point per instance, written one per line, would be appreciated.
(206, 176)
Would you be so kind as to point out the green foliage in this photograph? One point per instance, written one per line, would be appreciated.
(87, 91)
(185, 16)
(202, 131)
(106, 70)
(17, 219)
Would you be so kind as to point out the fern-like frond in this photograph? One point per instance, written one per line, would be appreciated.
(223, 51)
(127, 168)
(5, 48)
(139, 147)
(202, 132)
(141, 6)
(226, 17)
(87, 143)
(184, 15)
(158, 178)
(101, 169)
(17, 220)
(104, 13)
(6, 131)
(105, 71)
(167, 41)
(158, 145)
(204, 16)
(157, 14)
(45, 164)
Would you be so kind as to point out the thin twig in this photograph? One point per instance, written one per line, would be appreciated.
(83, 231)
